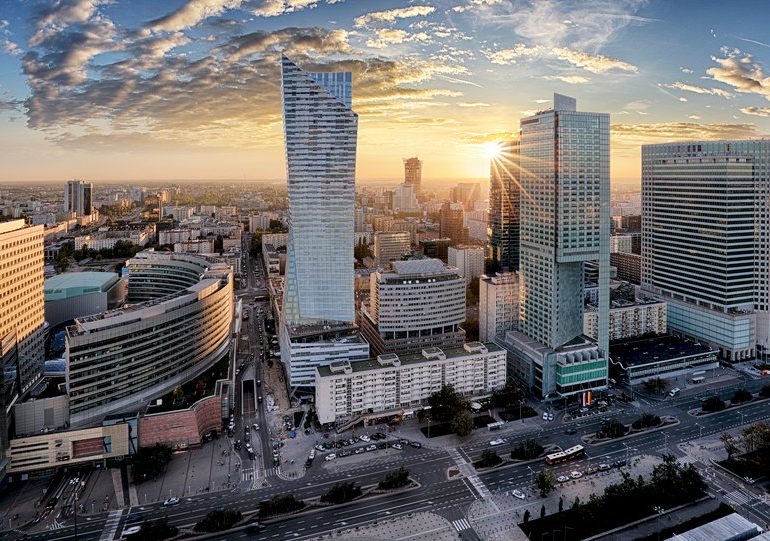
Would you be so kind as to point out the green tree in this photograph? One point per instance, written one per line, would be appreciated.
(148, 462)
(395, 479)
(646, 420)
(177, 396)
(545, 482)
(446, 403)
(527, 450)
(361, 250)
(279, 505)
(218, 520)
(508, 396)
(740, 396)
(731, 446)
(712, 404)
(154, 530)
(462, 423)
(613, 429)
(656, 385)
(341, 493)
(488, 459)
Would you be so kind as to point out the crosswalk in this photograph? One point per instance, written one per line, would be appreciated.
(479, 485)
(461, 524)
(738, 497)
(111, 525)
(56, 525)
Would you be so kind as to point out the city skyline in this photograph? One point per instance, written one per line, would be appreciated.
(82, 81)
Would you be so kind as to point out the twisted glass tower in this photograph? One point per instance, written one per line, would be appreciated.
(320, 131)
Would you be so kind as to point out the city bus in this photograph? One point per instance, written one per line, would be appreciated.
(495, 426)
(563, 456)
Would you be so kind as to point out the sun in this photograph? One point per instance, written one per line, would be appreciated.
(491, 150)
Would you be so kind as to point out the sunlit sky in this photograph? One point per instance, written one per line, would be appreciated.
(189, 89)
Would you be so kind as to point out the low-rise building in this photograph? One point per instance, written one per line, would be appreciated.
(78, 294)
(628, 319)
(667, 356)
(390, 246)
(498, 304)
(390, 382)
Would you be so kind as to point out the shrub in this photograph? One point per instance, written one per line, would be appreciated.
(740, 396)
(218, 520)
(527, 450)
(395, 479)
(646, 420)
(280, 504)
(488, 459)
(341, 493)
(713, 403)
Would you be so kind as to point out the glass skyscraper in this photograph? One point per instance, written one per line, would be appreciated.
(320, 131)
(504, 195)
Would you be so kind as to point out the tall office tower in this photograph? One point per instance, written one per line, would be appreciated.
(417, 305)
(565, 222)
(413, 174)
(504, 196)
(450, 225)
(320, 131)
(390, 246)
(405, 199)
(78, 197)
(21, 296)
(705, 211)
(466, 193)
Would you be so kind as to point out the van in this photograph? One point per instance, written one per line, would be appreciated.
(673, 392)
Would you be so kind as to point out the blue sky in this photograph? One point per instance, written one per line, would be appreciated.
(179, 89)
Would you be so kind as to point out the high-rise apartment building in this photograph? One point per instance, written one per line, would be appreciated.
(451, 223)
(565, 222)
(413, 174)
(78, 197)
(498, 304)
(418, 304)
(405, 199)
(390, 246)
(705, 211)
(504, 197)
(320, 133)
(22, 317)
(469, 261)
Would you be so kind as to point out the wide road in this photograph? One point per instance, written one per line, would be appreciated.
(450, 498)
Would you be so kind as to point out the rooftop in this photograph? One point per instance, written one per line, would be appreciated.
(74, 284)
(732, 526)
(656, 349)
(417, 358)
(418, 266)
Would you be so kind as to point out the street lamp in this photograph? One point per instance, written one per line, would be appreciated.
(531, 474)
(659, 510)
(742, 416)
(665, 441)
(700, 430)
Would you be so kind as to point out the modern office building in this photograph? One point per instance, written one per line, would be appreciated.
(78, 197)
(436, 248)
(498, 304)
(705, 240)
(405, 199)
(452, 223)
(469, 261)
(320, 133)
(395, 384)
(413, 174)
(466, 194)
(78, 294)
(621, 243)
(504, 201)
(120, 360)
(628, 319)
(418, 304)
(628, 267)
(22, 305)
(390, 246)
(634, 361)
(564, 223)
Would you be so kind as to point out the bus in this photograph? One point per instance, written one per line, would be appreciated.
(698, 379)
(495, 426)
(563, 456)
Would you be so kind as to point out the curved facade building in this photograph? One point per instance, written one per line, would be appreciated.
(153, 275)
(119, 360)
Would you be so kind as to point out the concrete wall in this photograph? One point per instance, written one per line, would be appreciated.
(181, 428)
(33, 416)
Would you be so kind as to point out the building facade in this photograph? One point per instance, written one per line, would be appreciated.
(498, 304)
(704, 240)
(628, 266)
(391, 383)
(390, 246)
(469, 261)
(22, 317)
(419, 304)
(77, 294)
(504, 202)
(564, 223)
(452, 223)
(628, 319)
(78, 197)
(119, 361)
(413, 174)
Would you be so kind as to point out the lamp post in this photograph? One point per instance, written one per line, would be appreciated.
(531, 474)
(665, 441)
(659, 511)
(700, 430)
(742, 416)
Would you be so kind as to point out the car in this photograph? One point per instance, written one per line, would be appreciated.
(604, 467)
(403, 442)
(371, 447)
(259, 381)
(330, 457)
(359, 450)
(570, 431)
(575, 474)
(618, 464)
(519, 494)
(131, 530)
(255, 426)
(319, 447)
(550, 416)
(311, 456)
(397, 446)
(171, 501)
(135, 517)
(590, 470)
(749, 480)
(365, 438)
(259, 399)
(246, 436)
(415, 444)
(237, 445)
(345, 452)
(545, 416)
(673, 392)
(496, 442)
(562, 479)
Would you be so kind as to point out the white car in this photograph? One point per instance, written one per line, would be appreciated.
(255, 426)
(673, 392)
(397, 446)
(371, 447)
(576, 475)
(171, 501)
(519, 494)
(562, 479)
(493, 443)
(545, 416)
(550, 416)
(365, 438)
(330, 457)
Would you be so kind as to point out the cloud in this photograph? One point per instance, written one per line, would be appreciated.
(391, 15)
(687, 87)
(595, 63)
(755, 42)
(191, 13)
(569, 79)
(473, 104)
(475, 4)
(392, 36)
(742, 72)
(688, 71)
(756, 111)
(633, 135)
(489, 137)
(288, 40)
(9, 47)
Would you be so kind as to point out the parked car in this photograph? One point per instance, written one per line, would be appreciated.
(359, 450)
(397, 446)
(562, 479)
(415, 444)
(255, 426)
(371, 447)
(330, 457)
(519, 494)
(345, 452)
(576, 474)
(604, 467)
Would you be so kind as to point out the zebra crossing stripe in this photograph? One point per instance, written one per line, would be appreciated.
(111, 525)
(738, 497)
(461, 524)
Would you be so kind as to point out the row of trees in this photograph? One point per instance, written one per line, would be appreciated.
(155, 530)
(149, 462)
(751, 448)
(219, 520)
(740, 396)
